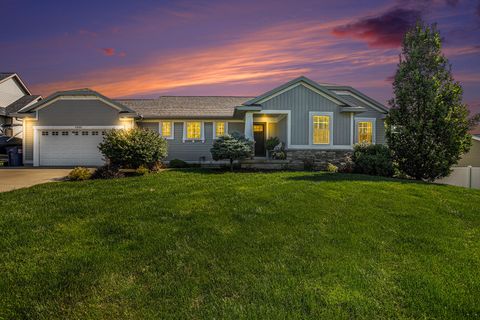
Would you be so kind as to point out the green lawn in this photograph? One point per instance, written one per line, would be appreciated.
(205, 244)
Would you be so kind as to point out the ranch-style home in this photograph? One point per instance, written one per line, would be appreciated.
(320, 121)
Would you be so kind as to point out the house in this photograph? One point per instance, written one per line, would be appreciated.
(315, 121)
(472, 158)
(14, 95)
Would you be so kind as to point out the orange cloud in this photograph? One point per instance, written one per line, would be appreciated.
(278, 52)
(108, 51)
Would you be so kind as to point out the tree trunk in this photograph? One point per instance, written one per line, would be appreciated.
(231, 165)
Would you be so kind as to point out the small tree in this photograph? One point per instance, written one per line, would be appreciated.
(427, 126)
(231, 147)
(133, 148)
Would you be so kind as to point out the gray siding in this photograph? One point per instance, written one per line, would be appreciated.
(472, 158)
(188, 150)
(282, 130)
(301, 100)
(149, 125)
(78, 113)
(236, 127)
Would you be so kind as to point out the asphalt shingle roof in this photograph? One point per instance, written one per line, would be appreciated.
(20, 103)
(185, 106)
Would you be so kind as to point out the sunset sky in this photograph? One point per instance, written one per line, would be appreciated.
(151, 48)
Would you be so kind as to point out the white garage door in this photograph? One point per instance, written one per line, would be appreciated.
(70, 147)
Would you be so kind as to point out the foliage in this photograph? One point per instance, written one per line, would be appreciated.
(332, 168)
(231, 147)
(271, 143)
(309, 163)
(278, 152)
(133, 148)
(157, 166)
(373, 159)
(427, 126)
(108, 171)
(142, 170)
(197, 244)
(347, 166)
(177, 163)
(79, 174)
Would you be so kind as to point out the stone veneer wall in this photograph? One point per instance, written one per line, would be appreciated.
(315, 159)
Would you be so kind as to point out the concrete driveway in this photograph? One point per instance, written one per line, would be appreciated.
(11, 179)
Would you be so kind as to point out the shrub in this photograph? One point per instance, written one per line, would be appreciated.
(108, 172)
(347, 166)
(157, 166)
(278, 152)
(177, 163)
(373, 159)
(309, 164)
(133, 148)
(332, 168)
(232, 147)
(142, 170)
(79, 174)
(271, 143)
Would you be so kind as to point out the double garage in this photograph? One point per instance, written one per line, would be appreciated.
(66, 129)
(66, 147)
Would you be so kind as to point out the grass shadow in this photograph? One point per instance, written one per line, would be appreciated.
(335, 177)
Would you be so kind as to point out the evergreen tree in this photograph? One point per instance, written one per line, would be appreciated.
(427, 126)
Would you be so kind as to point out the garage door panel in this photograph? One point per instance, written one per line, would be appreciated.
(70, 148)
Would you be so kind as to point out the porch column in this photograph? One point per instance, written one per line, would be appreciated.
(249, 125)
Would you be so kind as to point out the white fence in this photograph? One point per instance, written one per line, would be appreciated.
(468, 177)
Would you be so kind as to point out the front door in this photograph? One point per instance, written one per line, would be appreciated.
(259, 136)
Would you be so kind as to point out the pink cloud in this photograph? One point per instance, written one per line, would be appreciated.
(108, 51)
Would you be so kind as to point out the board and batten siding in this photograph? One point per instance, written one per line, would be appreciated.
(11, 92)
(301, 101)
(191, 150)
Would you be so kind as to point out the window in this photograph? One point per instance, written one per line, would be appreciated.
(44, 133)
(220, 129)
(167, 129)
(321, 129)
(194, 130)
(365, 132)
(257, 128)
(64, 133)
(84, 133)
(94, 133)
(54, 133)
(75, 133)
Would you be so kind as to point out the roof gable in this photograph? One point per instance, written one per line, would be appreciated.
(304, 81)
(354, 96)
(75, 94)
(4, 76)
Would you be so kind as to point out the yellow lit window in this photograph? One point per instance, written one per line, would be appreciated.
(166, 129)
(257, 128)
(219, 129)
(365, 132)
(194, 130)
(321, 130)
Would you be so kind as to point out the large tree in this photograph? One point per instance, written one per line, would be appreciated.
(427, 126)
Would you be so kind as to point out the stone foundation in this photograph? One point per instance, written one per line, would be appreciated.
(315, 159)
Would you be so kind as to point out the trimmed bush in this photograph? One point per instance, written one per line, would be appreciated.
(231, 147)
(79, 174)
(108, 172)
(348, 166)
(271, 143)
(373, 159)
(177, 163)
(133, 148)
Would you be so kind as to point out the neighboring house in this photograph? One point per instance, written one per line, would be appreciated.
(14, 95)
(316, 122)
(472, 158)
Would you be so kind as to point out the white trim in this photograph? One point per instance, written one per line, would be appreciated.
(225, 127)
(172, 129)
(306, 86)
(352, 129)
(185, 120)
(75, 98)
(374, 127)
(36, 150)
(202, 132)
(348, 93)
(311, 114)
(289, 122)
(475, 138)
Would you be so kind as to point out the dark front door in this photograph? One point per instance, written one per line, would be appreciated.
(259, 136)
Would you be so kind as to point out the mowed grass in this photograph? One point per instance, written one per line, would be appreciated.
(199, 244)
